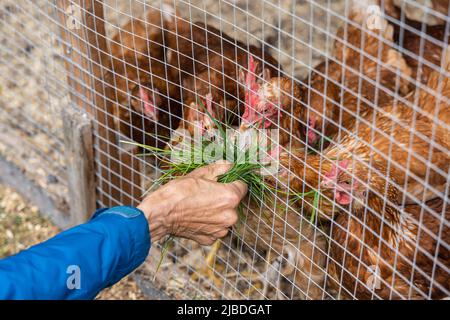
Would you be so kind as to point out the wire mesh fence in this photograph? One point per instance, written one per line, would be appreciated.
(356, 91)
(32, 91)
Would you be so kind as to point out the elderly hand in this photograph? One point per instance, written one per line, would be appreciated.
(195, 206)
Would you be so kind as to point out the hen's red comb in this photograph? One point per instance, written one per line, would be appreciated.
(251, 95)
(149, 107)
(250, 79)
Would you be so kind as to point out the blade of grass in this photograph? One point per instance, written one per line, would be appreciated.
(164, 252)
(315, 206)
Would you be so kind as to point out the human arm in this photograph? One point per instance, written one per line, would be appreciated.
(117, 240)
(79, 262)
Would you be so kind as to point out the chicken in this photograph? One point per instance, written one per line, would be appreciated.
(154, 113)
(266, 115)
(209, 62)
(418, 139)
(135, 48)
(217, 89)
(146, 96)
(140, 39)
(290, 240)
(337, 85)
(191, 44)
(209, 65)
(408, 34)
(430, 12)
(364, 178)
(365, 75)
(416, 45)
(389, 254)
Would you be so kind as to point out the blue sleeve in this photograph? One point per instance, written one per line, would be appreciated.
(79, 262)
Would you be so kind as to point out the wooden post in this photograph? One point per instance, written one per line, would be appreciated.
(87, 61)
(80, 164)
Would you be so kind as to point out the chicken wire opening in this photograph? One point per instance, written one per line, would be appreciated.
(277, 251)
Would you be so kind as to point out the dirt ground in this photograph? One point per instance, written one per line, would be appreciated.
(22, 226)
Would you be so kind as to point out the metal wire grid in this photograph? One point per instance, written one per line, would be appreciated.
(29, 88)
(238, 254)
(230, 250)
(240, 270)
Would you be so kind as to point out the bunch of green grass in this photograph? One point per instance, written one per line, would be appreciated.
(242, 169)
(247, 172)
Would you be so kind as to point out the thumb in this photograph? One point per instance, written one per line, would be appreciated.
(239, 187)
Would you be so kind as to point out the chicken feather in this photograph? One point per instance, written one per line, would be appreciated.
(361, 179)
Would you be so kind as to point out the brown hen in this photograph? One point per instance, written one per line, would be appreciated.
(290, 240)
(210, 62)
(362, 73)
(389, 254)
(423, 51)
(431, 12)
(394, 149)
(146, 96)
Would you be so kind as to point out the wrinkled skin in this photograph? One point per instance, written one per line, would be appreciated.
(195, 206)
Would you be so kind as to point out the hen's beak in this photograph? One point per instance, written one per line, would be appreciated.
(150, 110)
(152, 115)
(312, 137)
(210, 131)
(328, 183)
(244, 126)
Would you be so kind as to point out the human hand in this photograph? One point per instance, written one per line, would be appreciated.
(195, 206)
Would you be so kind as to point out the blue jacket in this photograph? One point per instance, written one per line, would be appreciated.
(79, 262)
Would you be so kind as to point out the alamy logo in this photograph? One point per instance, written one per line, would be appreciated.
(374, 17)
(253, 146)
(74, 280)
